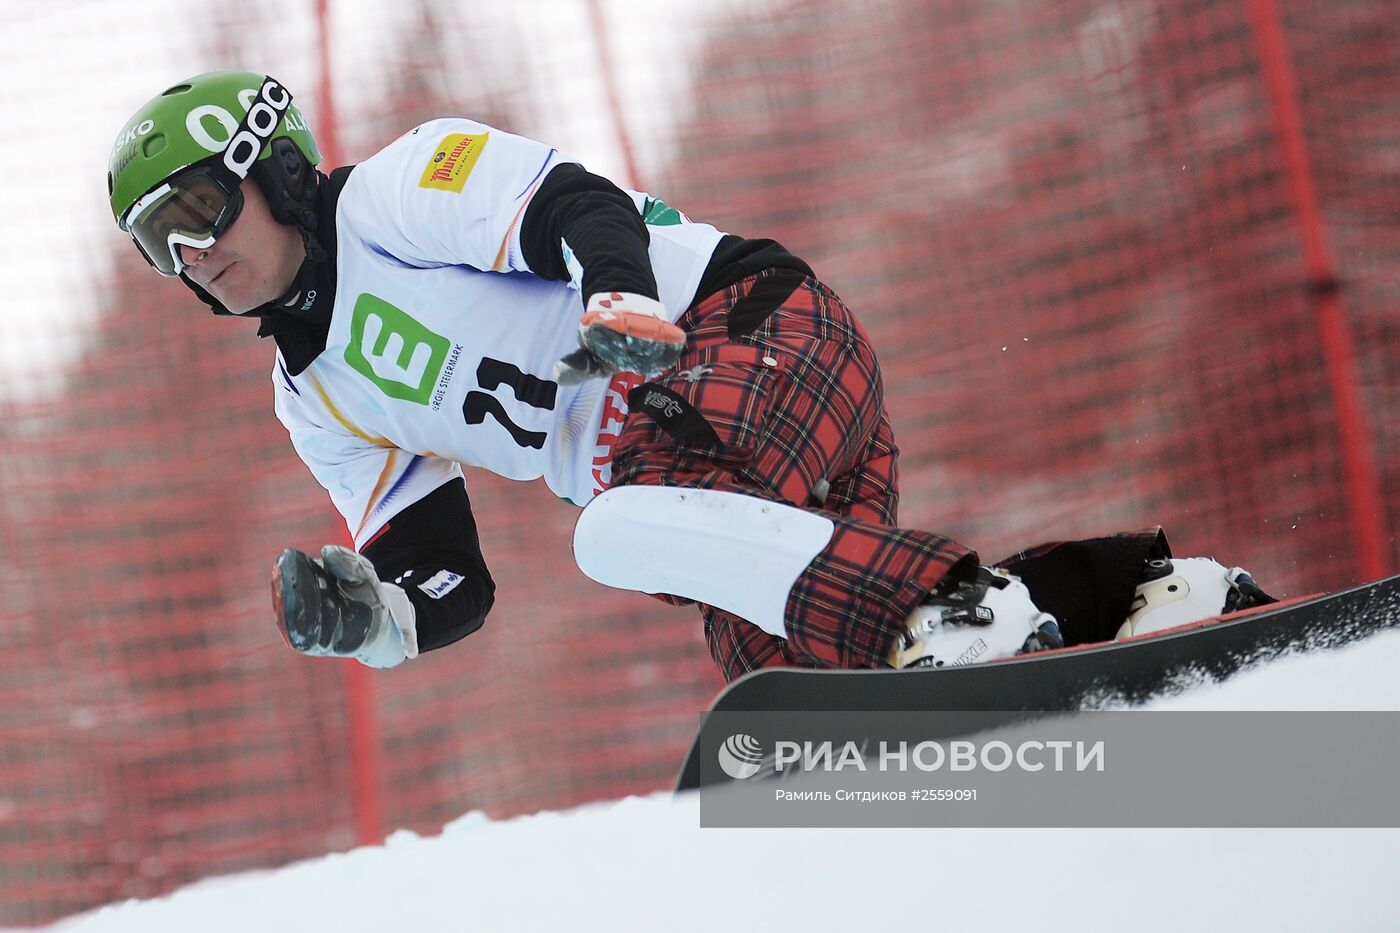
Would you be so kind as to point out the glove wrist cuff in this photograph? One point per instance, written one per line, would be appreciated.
(628, 302)
(401, 615)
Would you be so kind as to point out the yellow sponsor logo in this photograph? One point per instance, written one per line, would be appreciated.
(453, 161)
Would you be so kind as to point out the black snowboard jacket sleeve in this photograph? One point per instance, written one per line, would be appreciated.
(602, 226)
(609, 237)
(431, 549)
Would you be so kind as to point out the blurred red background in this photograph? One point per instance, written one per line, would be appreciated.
(1125, 263)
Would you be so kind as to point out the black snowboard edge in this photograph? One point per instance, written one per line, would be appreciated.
(1068, 679)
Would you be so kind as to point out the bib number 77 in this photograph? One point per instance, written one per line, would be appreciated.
(531, 390)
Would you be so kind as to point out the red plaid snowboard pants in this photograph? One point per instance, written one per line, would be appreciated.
(792, 409)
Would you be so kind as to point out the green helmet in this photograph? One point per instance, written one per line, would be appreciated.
(194, 122)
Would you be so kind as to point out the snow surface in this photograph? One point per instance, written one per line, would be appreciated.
(644, 864)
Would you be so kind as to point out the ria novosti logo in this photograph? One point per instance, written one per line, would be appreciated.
(740, 756)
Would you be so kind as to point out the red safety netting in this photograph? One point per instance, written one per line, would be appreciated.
(1126, 263)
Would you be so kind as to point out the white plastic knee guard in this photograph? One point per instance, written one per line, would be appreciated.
(724, 549)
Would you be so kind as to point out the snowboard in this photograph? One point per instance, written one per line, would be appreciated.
(1069, 678)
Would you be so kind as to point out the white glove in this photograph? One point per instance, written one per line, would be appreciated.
(622, 332)
(338, 607)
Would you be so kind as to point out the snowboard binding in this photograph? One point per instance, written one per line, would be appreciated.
(1190, 589)
(989, 616)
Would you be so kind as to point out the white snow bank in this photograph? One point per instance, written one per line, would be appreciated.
(1362, 676)
(644, 864)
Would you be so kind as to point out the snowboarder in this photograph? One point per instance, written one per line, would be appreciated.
(469, 296)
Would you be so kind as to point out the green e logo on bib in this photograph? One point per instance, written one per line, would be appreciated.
(394, 351)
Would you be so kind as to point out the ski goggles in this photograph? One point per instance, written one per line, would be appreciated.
(192, 209)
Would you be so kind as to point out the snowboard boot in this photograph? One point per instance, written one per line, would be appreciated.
(990, 616)
(1182, 590)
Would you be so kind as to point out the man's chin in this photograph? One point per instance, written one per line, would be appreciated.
(234, 304)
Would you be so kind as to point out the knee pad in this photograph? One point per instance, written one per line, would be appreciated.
(725, 549)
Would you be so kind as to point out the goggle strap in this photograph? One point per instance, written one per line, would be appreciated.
(259, 124)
